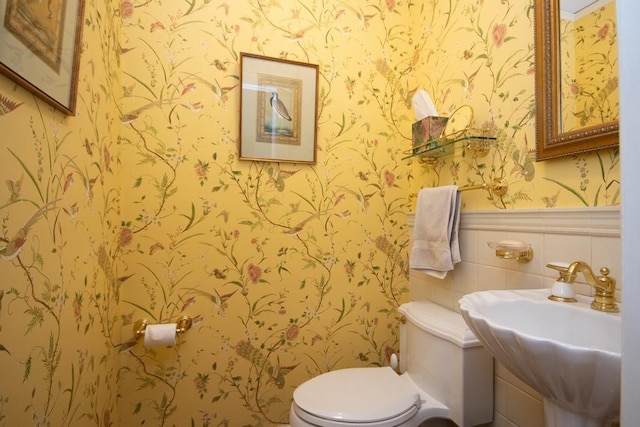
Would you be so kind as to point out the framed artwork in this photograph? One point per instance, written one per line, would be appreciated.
(278, 109)
(40, 48)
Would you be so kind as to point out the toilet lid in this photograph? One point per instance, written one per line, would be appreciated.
(359, 395)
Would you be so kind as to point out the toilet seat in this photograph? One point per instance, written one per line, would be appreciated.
(372, 397)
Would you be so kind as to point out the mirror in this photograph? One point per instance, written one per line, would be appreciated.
(576, 77)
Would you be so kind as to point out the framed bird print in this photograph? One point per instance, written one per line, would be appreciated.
(278, 109)
(40, 48)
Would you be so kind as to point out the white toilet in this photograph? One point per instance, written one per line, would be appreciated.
(447, 375)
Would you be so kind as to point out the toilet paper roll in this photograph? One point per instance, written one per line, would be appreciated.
(160, 335)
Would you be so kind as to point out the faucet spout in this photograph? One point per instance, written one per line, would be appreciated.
(604, 285)
(603, 282)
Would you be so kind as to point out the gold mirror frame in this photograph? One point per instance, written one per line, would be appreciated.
(550, 141)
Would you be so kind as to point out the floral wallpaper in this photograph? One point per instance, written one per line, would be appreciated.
(139, 208)
(288, 270)
(589, 68)
(484, 58)
(59, 209)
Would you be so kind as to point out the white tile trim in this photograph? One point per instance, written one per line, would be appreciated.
(599, 221)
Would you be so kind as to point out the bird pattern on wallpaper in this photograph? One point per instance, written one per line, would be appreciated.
(293, 269)
(11, 248)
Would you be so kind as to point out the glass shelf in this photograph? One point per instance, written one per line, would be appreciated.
(476, 141)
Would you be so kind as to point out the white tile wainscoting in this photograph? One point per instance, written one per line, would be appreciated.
(586, 234)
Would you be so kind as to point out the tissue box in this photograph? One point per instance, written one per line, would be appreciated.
(428, 129)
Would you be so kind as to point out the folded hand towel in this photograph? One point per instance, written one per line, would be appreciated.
(435, 235)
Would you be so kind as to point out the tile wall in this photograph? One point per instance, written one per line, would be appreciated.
(590, 234)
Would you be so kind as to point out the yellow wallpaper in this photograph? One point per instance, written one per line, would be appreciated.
(59, 209)
(288, 270)
(568, 69)
(589, 69)
(485, 59)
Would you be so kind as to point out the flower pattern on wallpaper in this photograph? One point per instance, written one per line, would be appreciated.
(59, 325)
(288, 270)
(494, 71)
(138, 207)
(589, 69)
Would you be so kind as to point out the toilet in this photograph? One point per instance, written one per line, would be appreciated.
(447, 375)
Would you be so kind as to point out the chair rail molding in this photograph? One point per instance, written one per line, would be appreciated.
(591, 221)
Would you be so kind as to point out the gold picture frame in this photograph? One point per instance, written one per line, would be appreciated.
(278, 110)
(551, 140)
(40, 48)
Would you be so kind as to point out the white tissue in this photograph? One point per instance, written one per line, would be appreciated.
(423, 105)
(160, 335)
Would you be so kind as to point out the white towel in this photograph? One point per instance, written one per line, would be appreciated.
(435, 235)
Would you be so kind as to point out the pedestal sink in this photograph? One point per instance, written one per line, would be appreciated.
(567, 352)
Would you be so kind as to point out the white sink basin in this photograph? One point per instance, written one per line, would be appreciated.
(567, 352)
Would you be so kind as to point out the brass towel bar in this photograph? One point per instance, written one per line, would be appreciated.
(499, 187)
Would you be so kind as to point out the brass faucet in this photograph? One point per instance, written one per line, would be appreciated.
(604, 285)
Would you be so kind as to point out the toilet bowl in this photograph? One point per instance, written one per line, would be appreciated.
(372, 397)
(447, 375)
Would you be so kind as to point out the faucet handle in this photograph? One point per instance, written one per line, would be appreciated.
(604, 299)
(558, 265)
(562, 290)
(608, 282)
(563, 269)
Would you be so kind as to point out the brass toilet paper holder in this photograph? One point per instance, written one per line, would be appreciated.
(183, 324)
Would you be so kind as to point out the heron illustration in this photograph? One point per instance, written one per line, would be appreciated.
(278, 107)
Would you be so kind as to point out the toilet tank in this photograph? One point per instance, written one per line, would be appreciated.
(443, 357)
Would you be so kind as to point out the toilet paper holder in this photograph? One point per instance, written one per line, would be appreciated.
(183, 324)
